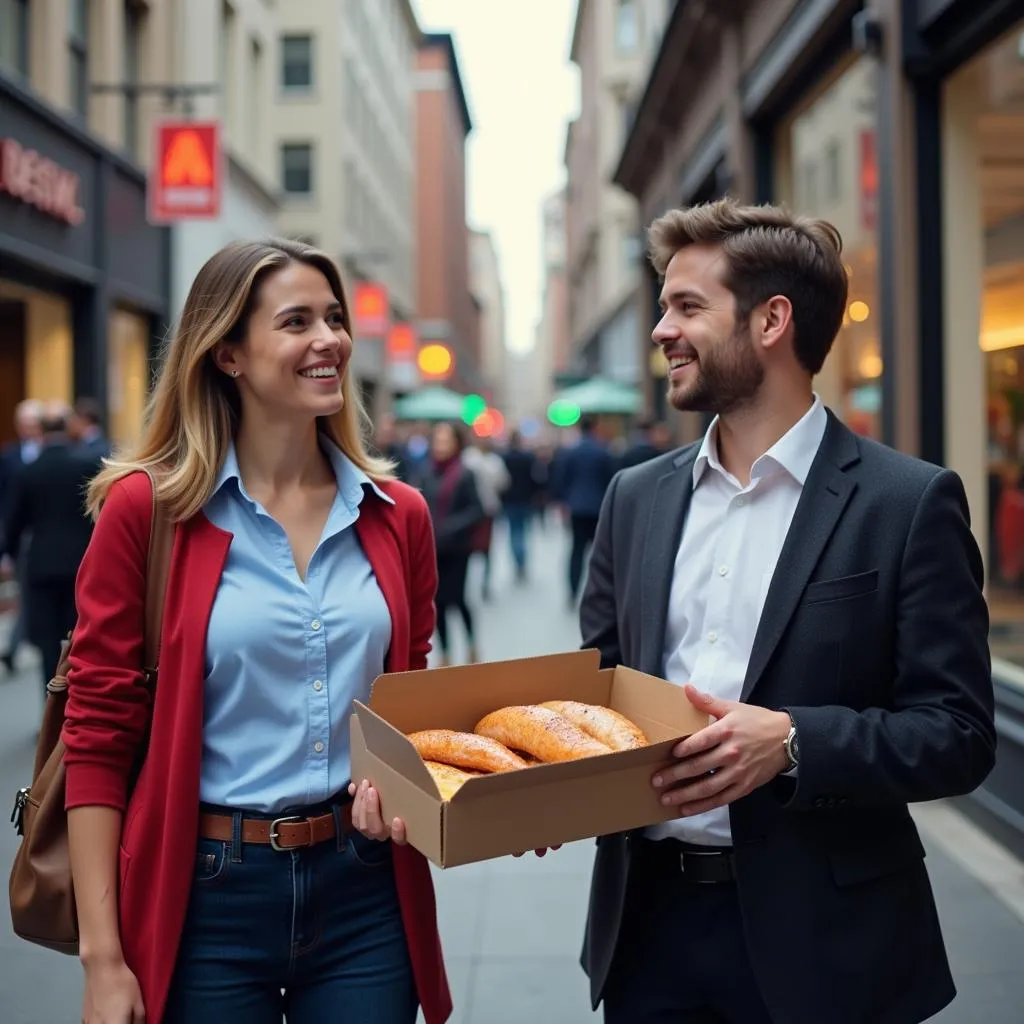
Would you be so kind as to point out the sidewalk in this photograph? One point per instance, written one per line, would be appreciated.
(512, 928)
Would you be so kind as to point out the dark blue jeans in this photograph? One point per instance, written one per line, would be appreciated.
(311, 935)
(518, 516)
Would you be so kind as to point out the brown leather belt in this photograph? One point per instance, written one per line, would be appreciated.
(291, 832)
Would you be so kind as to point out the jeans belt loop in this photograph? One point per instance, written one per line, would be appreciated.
(236, 837)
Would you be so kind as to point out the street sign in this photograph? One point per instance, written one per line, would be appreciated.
(185, 177)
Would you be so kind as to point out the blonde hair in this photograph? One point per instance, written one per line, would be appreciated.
(195, 408)
(768, 251)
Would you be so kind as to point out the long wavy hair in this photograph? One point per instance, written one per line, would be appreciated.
(194, 409)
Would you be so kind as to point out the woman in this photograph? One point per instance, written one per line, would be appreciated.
(454, 502)
(300, 571)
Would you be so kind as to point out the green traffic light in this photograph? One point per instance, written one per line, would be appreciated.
(564, 414)
(473, 406)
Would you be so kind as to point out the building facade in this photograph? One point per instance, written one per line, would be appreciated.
(612, 45)
(902, 121)
(350, 190)
(84, 278)
(486, 286)
(448, 312)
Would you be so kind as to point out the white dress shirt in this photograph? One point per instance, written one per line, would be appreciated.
(731, 542)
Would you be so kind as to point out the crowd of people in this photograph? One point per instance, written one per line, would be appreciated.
(470, 482)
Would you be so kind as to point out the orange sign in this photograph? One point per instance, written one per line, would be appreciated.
(371, 309)
(185, 175)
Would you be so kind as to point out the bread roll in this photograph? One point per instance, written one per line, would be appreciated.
(448, 780)
(465, 750)
(604, 724)
(541, 732)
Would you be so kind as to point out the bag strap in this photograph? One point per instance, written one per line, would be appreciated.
(158, 564)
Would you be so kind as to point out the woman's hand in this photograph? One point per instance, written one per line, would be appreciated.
(112, 995)
(367, 818)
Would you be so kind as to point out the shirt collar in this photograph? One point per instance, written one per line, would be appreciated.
(351, 479)
(794, 451)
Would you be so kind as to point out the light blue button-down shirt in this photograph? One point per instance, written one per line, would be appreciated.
(285, 657)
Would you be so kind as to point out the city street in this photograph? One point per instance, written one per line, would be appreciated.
(512, 928)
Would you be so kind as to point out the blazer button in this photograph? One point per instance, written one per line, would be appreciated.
(819, 801)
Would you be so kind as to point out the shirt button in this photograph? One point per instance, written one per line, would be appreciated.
(315, 624)
(318, 685)
(712, 636)
(740, 502)
(318, 747)
(723, 570)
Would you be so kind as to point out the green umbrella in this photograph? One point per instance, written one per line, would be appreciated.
(600, 395)
(434, 403)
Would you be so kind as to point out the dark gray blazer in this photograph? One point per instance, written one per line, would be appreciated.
(874, 636)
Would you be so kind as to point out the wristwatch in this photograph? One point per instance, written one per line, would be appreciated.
(792, 748)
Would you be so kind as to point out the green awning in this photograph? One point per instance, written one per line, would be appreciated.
(602, 396)
(433, 403)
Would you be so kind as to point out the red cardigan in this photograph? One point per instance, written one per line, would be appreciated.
(108, 710)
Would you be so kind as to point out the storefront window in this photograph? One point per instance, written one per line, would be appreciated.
(35, 348)
(127, 375)
(984, 166)
(826, 167)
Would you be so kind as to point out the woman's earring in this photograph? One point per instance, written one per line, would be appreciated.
(234, 373)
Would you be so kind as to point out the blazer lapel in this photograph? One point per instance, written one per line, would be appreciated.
(664, 529)
(826, 492)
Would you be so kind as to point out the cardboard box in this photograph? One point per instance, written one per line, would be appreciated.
(512, 812)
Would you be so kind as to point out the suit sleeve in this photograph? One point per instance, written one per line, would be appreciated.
(16, 516)
(598, 617)
(422, 585)
(937, 738)
(108, 702)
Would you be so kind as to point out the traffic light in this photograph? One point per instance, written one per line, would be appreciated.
(564, 414)
(473, 407)
(490, 423)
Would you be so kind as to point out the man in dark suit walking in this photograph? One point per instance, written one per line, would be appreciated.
(820, 596)
(49, 503)
(85, 428)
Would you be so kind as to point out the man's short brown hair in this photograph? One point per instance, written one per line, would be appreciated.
(768, 251)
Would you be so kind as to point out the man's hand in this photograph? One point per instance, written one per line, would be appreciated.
(540, 853)
(740, 751)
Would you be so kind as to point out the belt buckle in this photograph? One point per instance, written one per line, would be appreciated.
(289, 819)
(697, 853)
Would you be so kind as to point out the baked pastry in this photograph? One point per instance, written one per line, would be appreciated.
(608, 726)
(541, 732)
(448, 779)
(465, 750)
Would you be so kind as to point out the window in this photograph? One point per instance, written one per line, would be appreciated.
(133, 16)
(78, 53)
(837, 123)
(627, 25)
(297, 168)
(226, 59)
(297, 62)
(254, 99)
(14, 36)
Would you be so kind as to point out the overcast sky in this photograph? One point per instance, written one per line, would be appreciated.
(522, 92)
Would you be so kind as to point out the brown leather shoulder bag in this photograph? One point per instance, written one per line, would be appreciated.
(41, 891)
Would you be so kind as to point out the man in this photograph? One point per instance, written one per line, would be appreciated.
(519, 499)
(85, 428)
(13, 458)
(583, 473)
(820, 596)
(49, 503)
(492, 480)
(653, 440)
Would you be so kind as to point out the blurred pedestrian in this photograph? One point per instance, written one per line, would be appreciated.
(583, 474)
(519, 499)
(819, 596)
(85, 429)
(653, 439)
(48, 507)
(13, 459)
(455, 507)
(251, 885)
(492, 480)
(388, 442)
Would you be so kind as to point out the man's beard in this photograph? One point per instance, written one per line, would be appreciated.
(728, 376)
